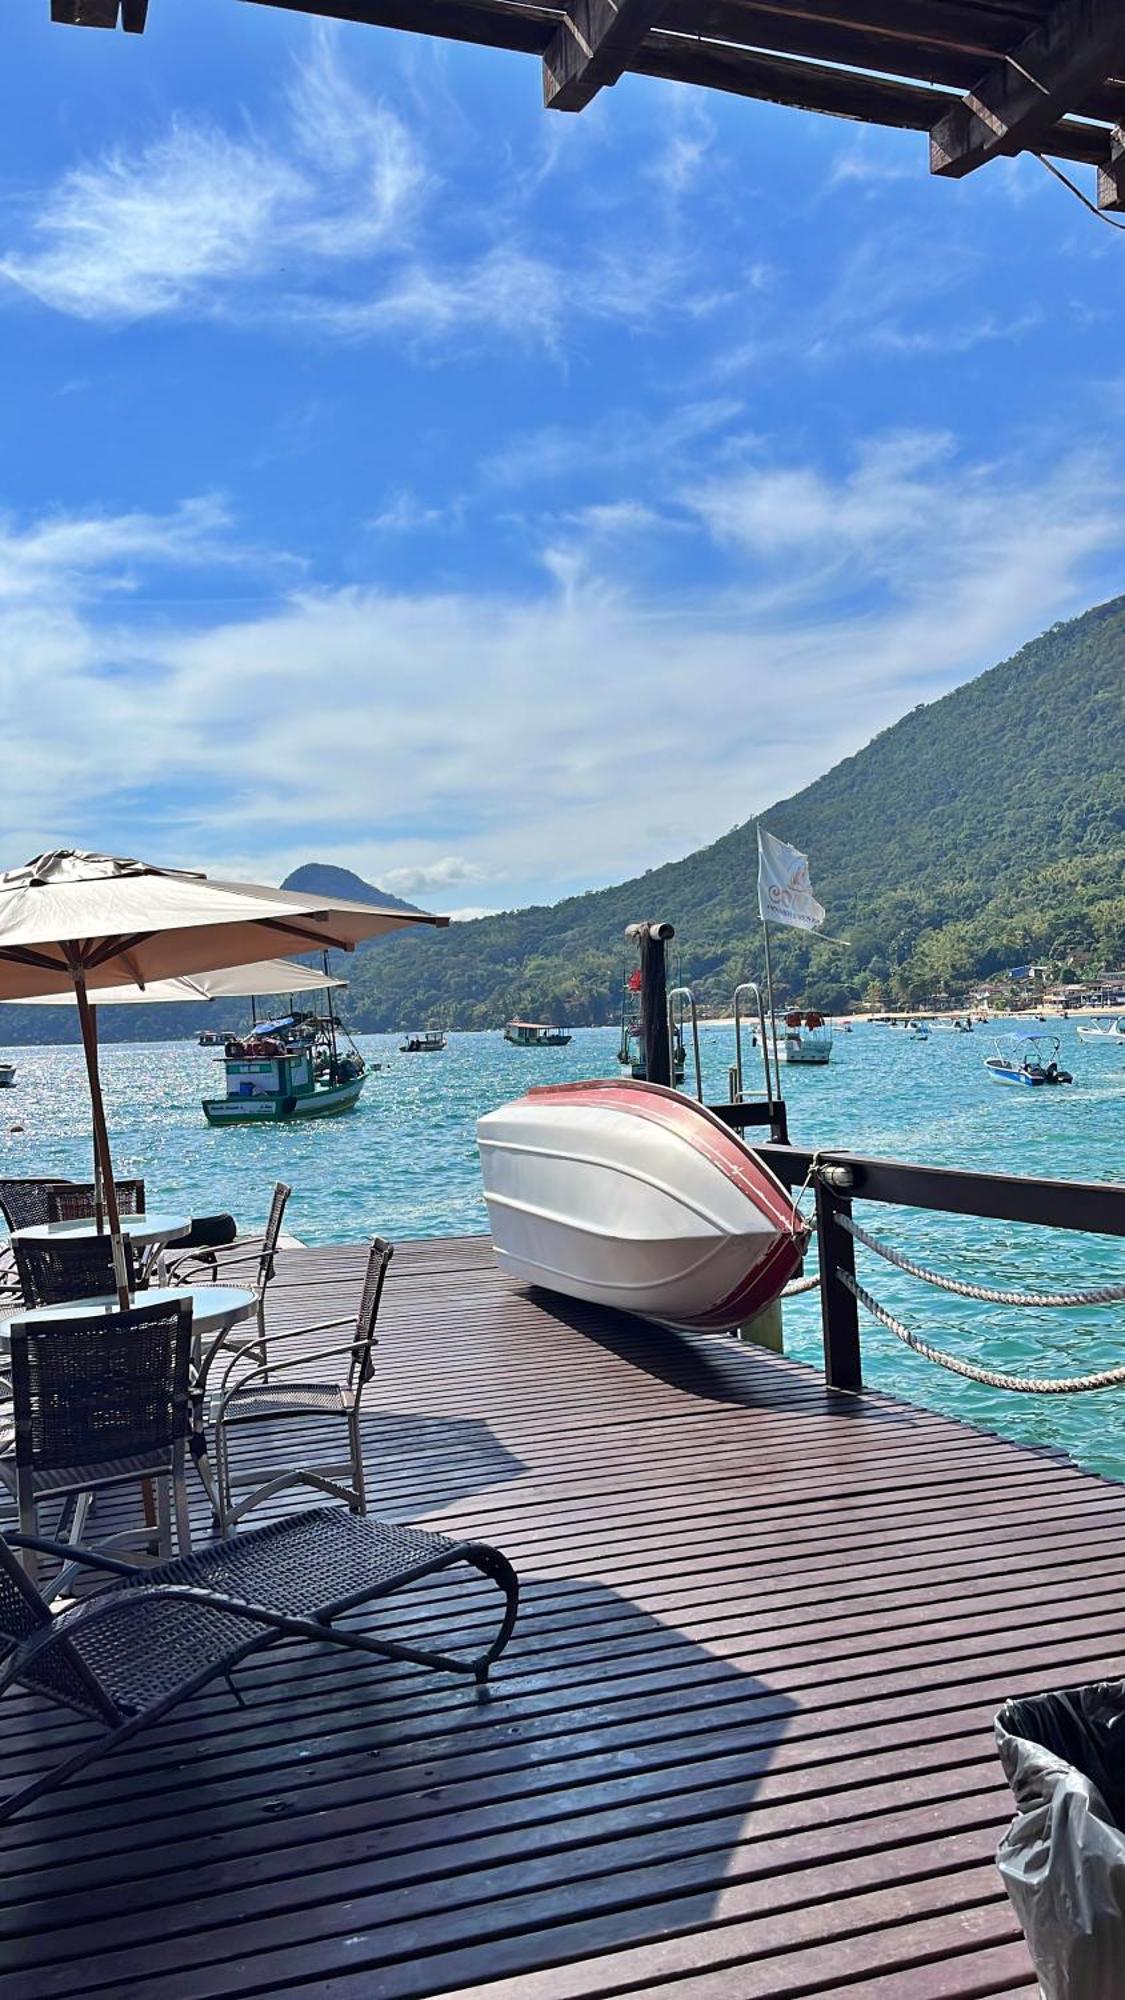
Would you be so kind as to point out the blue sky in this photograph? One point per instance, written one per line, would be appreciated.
(495, 501)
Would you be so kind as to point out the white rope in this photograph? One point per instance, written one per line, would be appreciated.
(1027, 1385)
(1107, 1294)
(802, 1285)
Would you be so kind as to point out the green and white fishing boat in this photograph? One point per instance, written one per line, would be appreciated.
(293, 1067)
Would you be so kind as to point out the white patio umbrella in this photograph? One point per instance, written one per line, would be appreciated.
(84, 924)
(267, 978)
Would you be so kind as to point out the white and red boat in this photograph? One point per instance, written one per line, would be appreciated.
(634, 1196)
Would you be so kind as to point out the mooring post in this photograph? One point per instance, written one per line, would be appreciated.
(653, 940)
(839, 1312)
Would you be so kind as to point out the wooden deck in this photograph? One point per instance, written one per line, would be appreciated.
(740, 1745)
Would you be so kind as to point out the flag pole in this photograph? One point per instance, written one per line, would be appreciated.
(773, 1014)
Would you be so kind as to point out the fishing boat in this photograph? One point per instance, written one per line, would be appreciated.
(7, 1075)
(425, 1042)
(633, 1196)
(213, 1038)
(1027, 1061)
(293, 1067)
(806, 1038)
(1105, 1030)
(536, 1035)
(631, 1047)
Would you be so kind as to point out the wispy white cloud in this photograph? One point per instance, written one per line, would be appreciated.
(195, 217)
(357, 716)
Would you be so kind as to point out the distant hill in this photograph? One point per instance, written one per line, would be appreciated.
(982, 830)
(321, 878)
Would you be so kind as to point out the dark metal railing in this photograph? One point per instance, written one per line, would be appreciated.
(1096, 1208)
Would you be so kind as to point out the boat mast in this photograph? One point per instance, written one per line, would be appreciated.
(328, 994)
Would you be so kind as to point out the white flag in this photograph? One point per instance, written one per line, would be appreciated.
(784, 891)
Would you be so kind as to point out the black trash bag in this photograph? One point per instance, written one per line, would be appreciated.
(1063, 1857)
(211, 1232)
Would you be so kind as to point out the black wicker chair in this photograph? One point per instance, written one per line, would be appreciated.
(58, 1269)
(300, 1387)
(130, 1653)
(99, 1400)
(78, 1202)
(22, 1204)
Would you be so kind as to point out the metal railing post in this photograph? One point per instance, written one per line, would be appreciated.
(839, 1312)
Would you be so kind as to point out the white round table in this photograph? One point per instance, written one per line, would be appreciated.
(214, 1308)
(142, 1230)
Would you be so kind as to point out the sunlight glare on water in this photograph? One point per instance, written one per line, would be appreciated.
(405, 1164)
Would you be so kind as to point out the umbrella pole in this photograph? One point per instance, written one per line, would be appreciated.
(101, 1137)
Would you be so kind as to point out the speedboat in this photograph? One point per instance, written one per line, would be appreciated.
(1027, 1060)
(807, 1038)
(633, 1196)
(1105, 1030)
(918, 1031)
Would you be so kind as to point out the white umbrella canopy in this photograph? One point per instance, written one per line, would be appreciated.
(236, 982)
(82, 924)
(118, 922)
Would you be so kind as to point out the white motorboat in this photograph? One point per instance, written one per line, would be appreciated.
(806, 1038)
(7, 1075)
(1103, 1031)
(634, 1196)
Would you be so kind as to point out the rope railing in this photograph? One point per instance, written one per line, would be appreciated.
(994, 1378)
(1105, 1295)
(799, 1285)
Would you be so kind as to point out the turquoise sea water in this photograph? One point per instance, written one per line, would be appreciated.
(405, 1163)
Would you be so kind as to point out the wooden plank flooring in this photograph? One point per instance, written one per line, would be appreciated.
(739, 1747)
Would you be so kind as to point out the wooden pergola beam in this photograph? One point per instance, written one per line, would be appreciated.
(132, 14)
(1111, 176)
(1014, 106)
(596, 42)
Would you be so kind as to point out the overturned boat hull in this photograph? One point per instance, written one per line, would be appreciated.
(635, 1197)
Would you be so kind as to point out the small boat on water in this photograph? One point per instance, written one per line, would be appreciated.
(1027, 1061)
(918, 1031)
(536, 1035)
(425, 1042)
(633, 1196)
(7, 1075)
(288, 1068)
(1105, 1030)
(807, 1039)
(631, 1053)
(214, 1038)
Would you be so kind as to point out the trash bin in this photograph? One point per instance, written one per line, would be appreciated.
(1063, 1857)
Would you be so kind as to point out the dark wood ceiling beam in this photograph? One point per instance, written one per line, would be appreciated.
(596, 42)
(1111, 177)
(874, 38)
(872, 100)
(485, 22)
(1017, 102)
(84, 13)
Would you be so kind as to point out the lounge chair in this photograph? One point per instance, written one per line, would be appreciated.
(130, 1653)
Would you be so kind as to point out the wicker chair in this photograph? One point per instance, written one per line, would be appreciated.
(25, 1203)
(99, 1401)
(128, 1654)
(78, 1202)
(298, 1388)
(59, 1269)
(22, 1205)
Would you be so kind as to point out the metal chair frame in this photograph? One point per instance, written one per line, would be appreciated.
(84, 1657)
(279, 1402)
(220, 1268)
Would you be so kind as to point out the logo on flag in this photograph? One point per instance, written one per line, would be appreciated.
(784, 891)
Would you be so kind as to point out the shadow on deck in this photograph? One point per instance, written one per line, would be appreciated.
(740, 1744)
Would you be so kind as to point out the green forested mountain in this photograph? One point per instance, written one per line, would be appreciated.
(983, 830)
